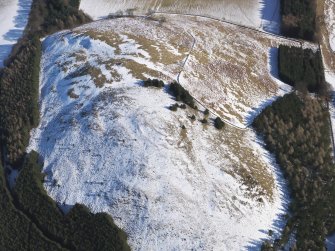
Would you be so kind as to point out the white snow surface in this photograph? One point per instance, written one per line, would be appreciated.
(118, 149)
(263, 14)
(330, 21)
(13, 19)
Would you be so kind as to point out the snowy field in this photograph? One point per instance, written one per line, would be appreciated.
(256, 13)
(13, 19)
(114, 145)
(330, 21)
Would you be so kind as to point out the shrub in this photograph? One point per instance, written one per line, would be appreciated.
(218, 123)
(182, 106)
(181, 94)
(206, 112)
(154, 83)
(174, 107)
(204, 121)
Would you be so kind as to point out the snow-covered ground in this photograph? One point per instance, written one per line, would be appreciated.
(330, 21)
(255, 13)
(113, 145)
(13, 19)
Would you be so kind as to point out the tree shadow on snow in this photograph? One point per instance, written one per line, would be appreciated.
(5, 50)
(270, 14)
(20, 21)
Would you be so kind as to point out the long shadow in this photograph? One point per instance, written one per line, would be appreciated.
(5, 50)
(271, 16)
(20, 22)
(273, 62)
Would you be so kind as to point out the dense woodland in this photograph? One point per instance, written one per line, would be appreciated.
(296, 129)
(18, 232)
(19, 112)
(30, 220)
(302, 69)
(298, 18)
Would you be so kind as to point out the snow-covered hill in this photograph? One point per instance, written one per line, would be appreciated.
(113, 145)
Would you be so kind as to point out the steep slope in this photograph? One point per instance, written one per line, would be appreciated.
(112, 144)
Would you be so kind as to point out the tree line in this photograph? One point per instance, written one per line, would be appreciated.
(298, 18)
(302, 69)
(296, 129)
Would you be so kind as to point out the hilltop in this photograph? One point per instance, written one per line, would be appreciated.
(112, 144)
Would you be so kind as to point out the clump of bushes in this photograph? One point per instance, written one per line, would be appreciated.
(204, 121)
(182, 106)
(181, 94)
(174, 107)
(153, 83)
(218, 123)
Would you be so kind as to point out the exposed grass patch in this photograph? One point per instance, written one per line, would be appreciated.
(138, 70)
